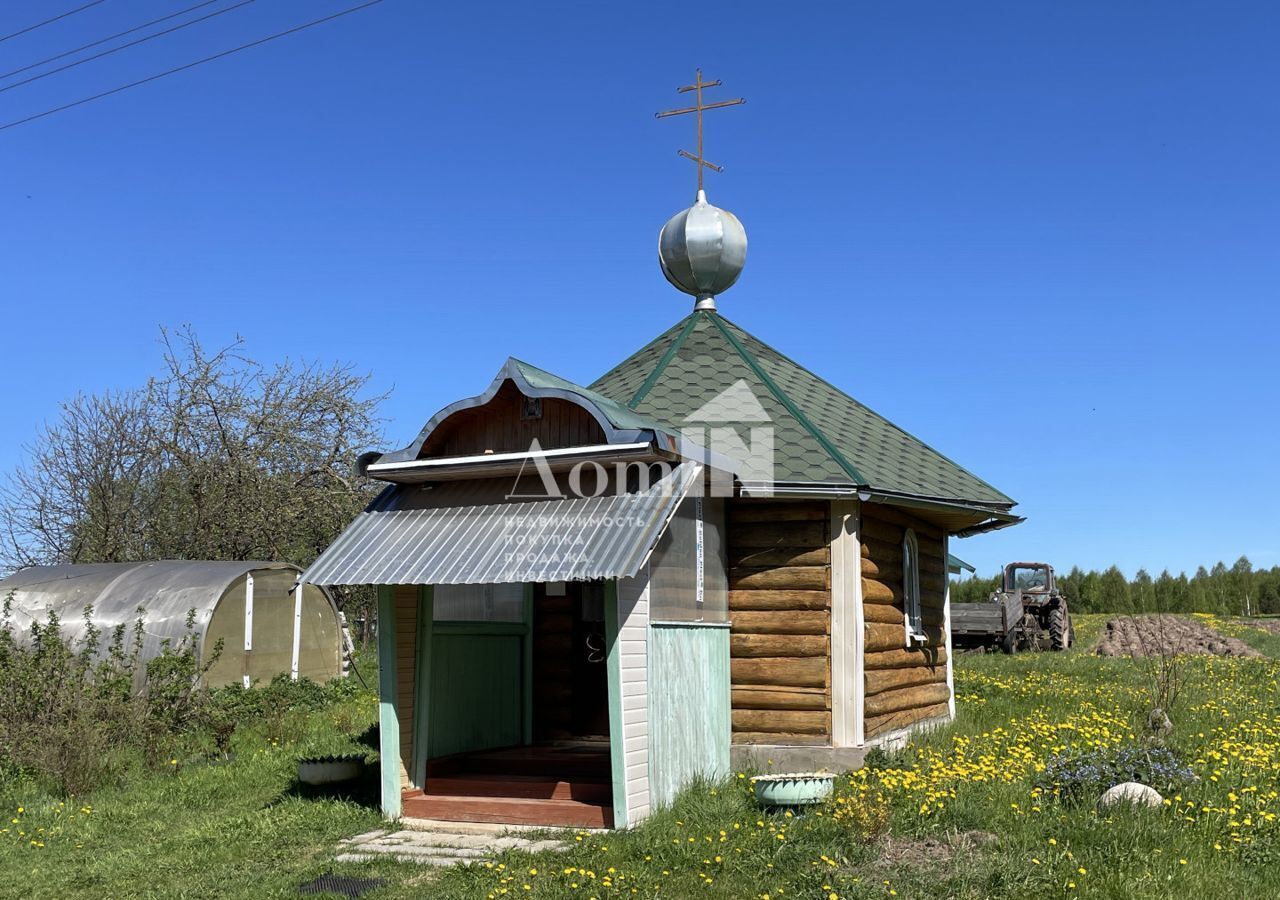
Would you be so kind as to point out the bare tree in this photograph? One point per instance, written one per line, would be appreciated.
(219, 457)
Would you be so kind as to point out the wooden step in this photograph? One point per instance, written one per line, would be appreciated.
(528, 787)
(567, 766)
(508, 810)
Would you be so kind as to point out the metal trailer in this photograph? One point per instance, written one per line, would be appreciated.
(997, 622)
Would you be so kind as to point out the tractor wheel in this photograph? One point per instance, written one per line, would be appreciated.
(1009, 643)
(1059, 628)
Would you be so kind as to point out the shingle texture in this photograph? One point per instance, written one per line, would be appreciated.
(821, 435)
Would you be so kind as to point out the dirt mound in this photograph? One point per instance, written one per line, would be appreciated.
(932, 850)
(1165, 635)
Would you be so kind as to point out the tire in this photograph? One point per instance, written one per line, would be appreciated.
(1009, 643)
(1059, 628)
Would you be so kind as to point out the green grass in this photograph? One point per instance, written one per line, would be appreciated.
(237, 830)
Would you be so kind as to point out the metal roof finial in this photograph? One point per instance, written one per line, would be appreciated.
(702, 249)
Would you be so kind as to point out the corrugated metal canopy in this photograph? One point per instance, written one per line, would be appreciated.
(472, 533)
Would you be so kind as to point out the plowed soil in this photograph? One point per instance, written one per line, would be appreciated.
(1163, 634)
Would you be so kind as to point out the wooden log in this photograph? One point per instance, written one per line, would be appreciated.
(882, 551)
(787, 721)
(747, 600)
(892, 615)
(892, 575)
(743, 646)
(895, 720)
(813, 671)
(879, 592)
(784, 578)
(781, 556)
(904, 658)
(770, 737)
(777, 534)
(878, 680)
(912, 697)
(895, 516)
(881, 636)
(745, 511)
(884, 532)
(777, 621)
(555, 644)
(769, 697)
(548, 605)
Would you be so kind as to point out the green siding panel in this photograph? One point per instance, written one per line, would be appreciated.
(689, 721)
(477, 696)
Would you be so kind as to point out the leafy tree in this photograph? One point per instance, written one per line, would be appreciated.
(218, 457)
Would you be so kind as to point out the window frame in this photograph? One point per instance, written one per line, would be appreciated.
(912, 608)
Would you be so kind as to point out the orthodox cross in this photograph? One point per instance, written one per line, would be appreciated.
(699, 107)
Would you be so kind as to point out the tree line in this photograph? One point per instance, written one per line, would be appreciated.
(1234, 590)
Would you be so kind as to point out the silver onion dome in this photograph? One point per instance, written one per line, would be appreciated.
(702, 250)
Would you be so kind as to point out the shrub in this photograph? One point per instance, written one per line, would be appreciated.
(72, 716)
(1081, 776)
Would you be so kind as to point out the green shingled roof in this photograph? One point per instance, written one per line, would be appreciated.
(821, 435)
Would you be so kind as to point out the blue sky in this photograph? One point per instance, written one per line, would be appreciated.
(1040, 236)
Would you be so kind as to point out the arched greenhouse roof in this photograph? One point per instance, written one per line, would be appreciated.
(165, 590)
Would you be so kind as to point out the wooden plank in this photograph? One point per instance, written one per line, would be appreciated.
(785, 578)
(879, 680)
(780, 556)
(774, 645)
(751, 600)
(777, 534)
(904, 658)
(769, 697)
(778, 621)
(875, 530)
(771, 737)
(810, 671)
(745, 511)
(910, 697)
(895, 720)
(789, 721)
(881, 636)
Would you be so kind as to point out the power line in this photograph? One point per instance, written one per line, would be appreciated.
(141, 40)
(191, 65)
(118, 34)
(70, 12)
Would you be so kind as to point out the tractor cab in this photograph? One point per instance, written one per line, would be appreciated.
(1030, 578)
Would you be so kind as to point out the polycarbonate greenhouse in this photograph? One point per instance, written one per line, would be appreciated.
(266, 627)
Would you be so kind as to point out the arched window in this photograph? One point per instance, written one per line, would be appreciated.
(913, 620)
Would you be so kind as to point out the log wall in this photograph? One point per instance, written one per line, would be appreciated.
(780, 610)
(901, 686)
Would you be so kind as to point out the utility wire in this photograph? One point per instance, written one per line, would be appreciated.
(191, 65)
(70, 12)
(118, 34)
(141, 40)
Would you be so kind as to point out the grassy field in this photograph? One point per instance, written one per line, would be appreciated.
(959, 814)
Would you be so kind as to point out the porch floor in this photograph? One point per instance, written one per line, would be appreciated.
(565, 784)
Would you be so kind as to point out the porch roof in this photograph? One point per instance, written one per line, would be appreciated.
(473, 533)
